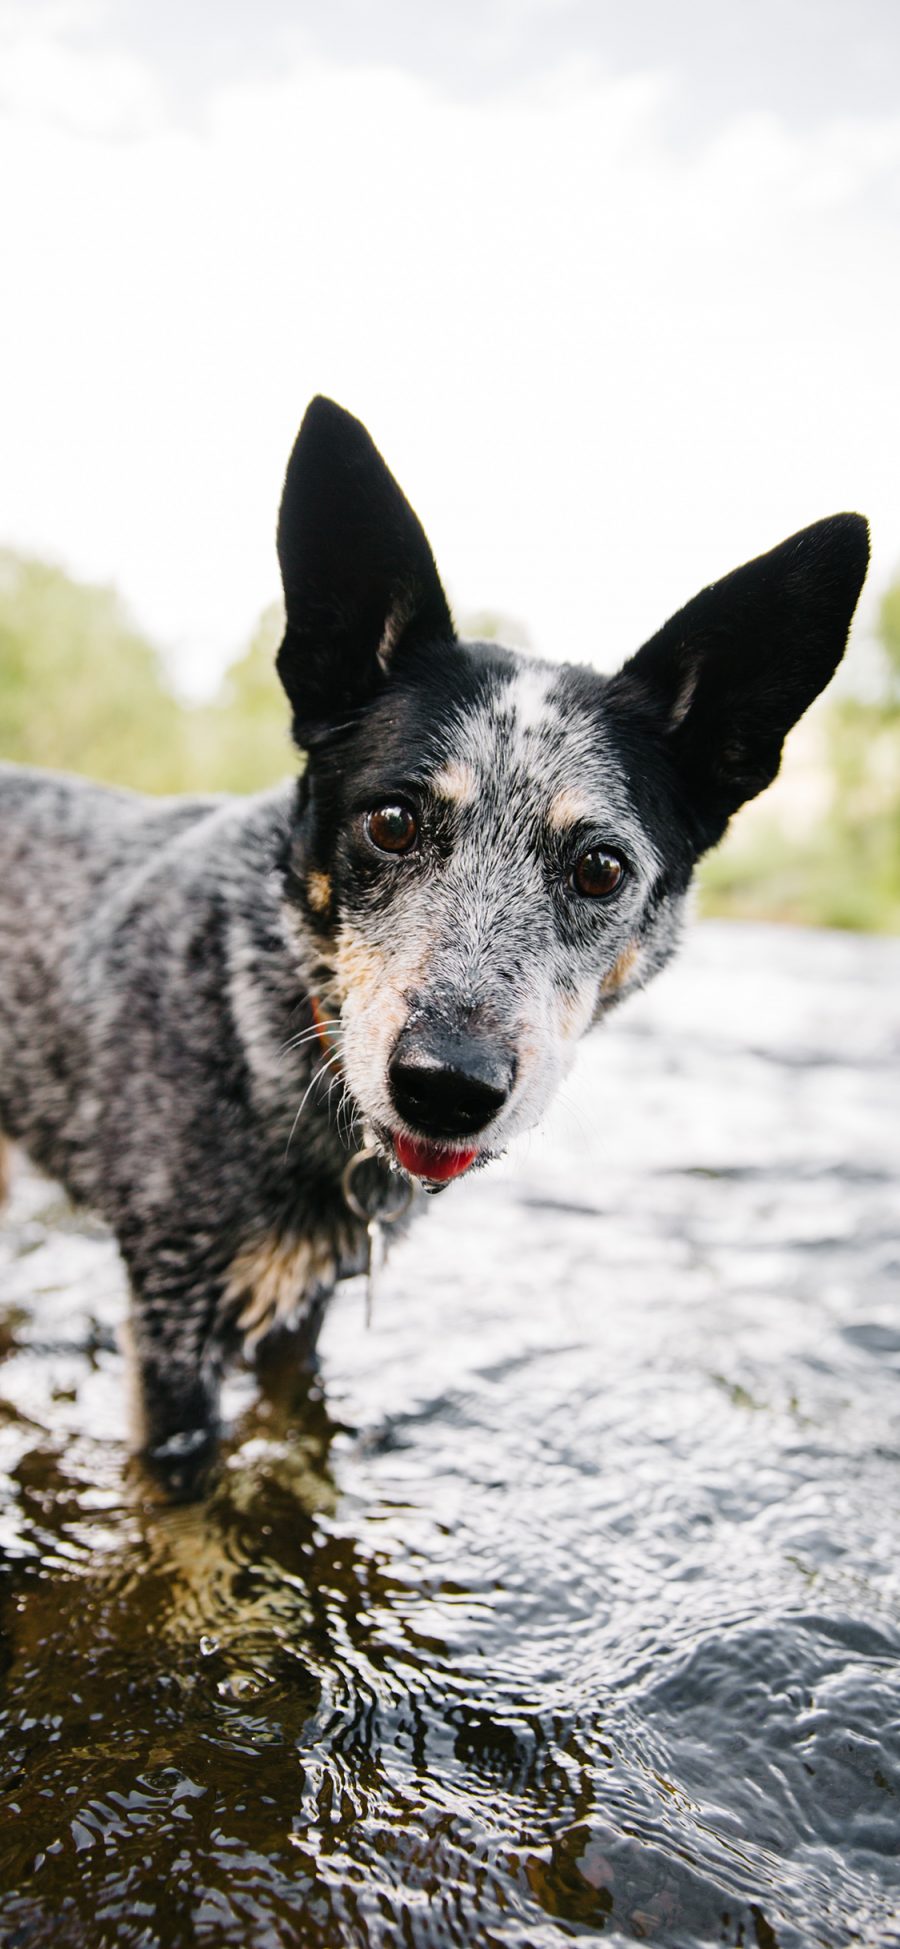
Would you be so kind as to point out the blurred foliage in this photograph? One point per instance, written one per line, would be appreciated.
(889, 640)
(493, 626)
(844, 869)
(241, 741)
(81, 690)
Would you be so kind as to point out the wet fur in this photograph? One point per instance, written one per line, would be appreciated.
(158, 958)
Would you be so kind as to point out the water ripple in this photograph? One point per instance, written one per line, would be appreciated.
(566, 1602)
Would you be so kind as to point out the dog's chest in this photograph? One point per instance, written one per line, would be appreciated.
(277, 1278)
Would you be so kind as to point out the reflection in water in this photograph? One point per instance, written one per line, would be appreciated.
(570, 1606)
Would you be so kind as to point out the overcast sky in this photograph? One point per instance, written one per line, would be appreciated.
(617, 290)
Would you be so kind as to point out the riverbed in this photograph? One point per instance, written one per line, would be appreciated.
(562, 1602)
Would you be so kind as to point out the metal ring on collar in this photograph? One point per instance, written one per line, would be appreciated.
(388, 1209)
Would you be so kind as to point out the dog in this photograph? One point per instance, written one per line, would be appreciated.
(241, 1029)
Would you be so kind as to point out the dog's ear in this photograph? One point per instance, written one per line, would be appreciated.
(360, 584)
(724, 680)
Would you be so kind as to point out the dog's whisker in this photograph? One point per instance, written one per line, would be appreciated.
(316, 1077)
(590, 1130)
(295, 1042)
(337, 1082)
(309, 1034)
(348, 1111)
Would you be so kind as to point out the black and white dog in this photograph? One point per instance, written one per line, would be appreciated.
(208, 1006)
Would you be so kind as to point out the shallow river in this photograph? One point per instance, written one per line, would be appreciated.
(566, 1601)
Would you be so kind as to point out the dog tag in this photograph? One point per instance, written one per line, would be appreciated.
(375, 1231)
(378, 1197)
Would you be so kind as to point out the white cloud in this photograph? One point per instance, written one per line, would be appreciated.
(46, 81)
(604, 370)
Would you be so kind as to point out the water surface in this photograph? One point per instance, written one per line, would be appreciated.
(565, 1602)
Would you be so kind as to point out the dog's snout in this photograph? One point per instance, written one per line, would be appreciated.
(449, 1085)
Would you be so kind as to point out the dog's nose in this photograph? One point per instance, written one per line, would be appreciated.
(449, 1085)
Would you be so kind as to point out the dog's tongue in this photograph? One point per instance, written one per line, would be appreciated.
(423, 1160)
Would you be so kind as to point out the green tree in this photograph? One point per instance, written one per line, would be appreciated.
(846, 871)
(492, 626)
(889, 643)
(241, 741)
(80, 689)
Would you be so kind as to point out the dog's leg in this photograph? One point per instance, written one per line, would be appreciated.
(176, 1417)
(174, 1413)
(285, 1358)
(175, 1403)
(4, 1169)
(176, 1361)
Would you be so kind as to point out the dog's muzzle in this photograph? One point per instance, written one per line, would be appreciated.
(449, 1084)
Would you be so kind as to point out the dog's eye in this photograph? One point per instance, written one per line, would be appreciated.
(597, 873)
(391, 828)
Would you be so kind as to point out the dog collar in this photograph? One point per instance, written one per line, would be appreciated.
(327, 1041)
(375, 1192)
(367, 1165)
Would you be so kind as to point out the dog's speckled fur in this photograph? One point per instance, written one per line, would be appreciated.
(158, 959)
